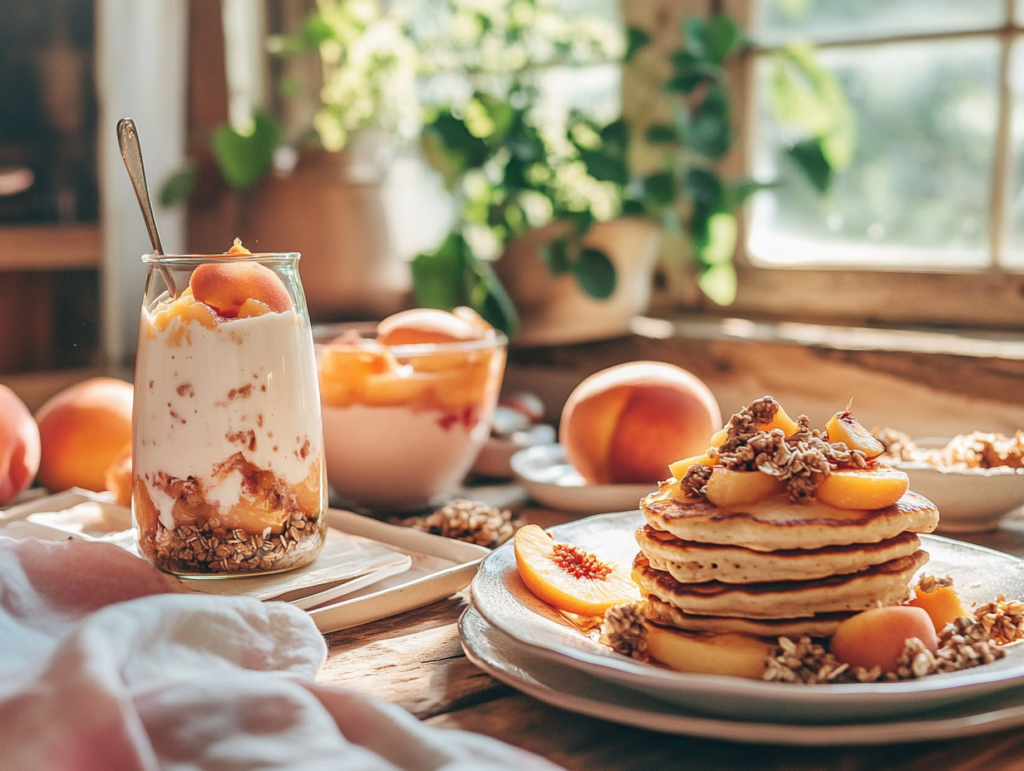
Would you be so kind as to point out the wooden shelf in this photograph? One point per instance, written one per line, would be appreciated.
(49, 247)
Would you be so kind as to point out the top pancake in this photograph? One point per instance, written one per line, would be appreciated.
(778, 523)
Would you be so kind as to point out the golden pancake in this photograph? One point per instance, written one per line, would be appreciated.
(694, 562)
(819, 625)
(777, 523)
(886, 584)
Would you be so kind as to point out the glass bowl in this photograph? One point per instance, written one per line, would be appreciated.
(403, 423)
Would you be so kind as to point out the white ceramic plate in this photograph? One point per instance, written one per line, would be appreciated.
(552, 481)
(518, 666)
(968, 500)
(980, 574)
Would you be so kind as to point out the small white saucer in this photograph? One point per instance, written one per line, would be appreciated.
(550, 479)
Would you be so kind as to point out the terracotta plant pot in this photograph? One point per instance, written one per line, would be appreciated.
(329, 208)
(554, 310)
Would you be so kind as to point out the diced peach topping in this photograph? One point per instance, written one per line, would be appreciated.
(225, 287)
(568, 577)
(252, 308)
(943, 605)
(845, 428)
(727, 487)
(237, 248)
(782, 421)
(680, 467)
(870, 488)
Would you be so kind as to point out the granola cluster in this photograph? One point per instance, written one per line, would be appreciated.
(465, 520)
(624, 630)
(802, 460)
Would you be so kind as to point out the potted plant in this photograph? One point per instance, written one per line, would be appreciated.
(327, 203)
(498, 161)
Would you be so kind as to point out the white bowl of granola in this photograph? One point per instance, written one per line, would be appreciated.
(974, 480)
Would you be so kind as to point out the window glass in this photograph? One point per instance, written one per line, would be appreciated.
(845, 19)
(918, 190)
(1013, 254)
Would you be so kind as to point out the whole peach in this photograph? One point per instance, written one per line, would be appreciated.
(19, 445)
(429, 325)
(629, 422)
(878, 636)
(82, 430)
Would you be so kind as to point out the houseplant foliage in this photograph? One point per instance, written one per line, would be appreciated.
(509, 169)
(510, 176)
(688, 194)
(369, 67)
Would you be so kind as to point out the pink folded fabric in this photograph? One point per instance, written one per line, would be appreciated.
(102, 667)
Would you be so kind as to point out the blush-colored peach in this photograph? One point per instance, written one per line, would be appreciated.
(82, 430)
(877, 637)
(19, 446)
(225, 286)
(118, 476)
(418, 326)
(628, 423)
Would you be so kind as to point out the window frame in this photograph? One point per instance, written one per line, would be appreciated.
(987, 298)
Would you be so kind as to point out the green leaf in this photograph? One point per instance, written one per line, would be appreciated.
(721, 239)
(555, 255)
(488, 298)
(582, 221)
(722, 36)
(719, 283)
(660, 189)
(710, 129)
(738, 193)
(450, 148)
(595, 274)
(179, 185)
(604, 167)
(439, 277)
(245, 158)
(636, 39)
(694, 36)
(615, 138)
(660, 134)
(804, 94)
(810, 159)
(706, 189)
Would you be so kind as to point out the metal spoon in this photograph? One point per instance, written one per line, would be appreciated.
(131, 152)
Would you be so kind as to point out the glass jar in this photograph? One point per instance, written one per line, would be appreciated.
(227, 444)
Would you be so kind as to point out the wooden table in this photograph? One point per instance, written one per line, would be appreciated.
(416, 660)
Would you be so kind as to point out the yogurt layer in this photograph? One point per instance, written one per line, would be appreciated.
(244, 390)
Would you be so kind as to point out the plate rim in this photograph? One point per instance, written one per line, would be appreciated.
(897, 731)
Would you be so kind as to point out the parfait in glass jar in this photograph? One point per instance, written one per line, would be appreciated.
(228, 474)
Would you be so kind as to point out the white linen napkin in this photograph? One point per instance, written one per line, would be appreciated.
(103, 667)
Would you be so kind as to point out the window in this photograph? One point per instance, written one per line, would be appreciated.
(925, 225)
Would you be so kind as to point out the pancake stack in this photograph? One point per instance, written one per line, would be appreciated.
(775, 567)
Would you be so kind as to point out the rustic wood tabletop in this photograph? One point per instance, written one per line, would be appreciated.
(416, 660)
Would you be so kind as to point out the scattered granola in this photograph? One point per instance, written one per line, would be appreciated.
(975, 450)
(929, 583)
(624, 630)
(805, 661)
(465, 520)
(1002, 619)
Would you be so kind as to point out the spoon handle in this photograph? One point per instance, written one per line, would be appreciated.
(131, 153)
